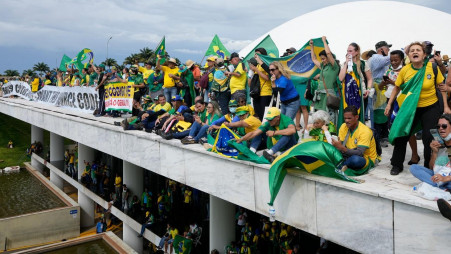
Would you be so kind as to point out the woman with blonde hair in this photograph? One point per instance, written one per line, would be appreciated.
(280, 81)
(421, 81)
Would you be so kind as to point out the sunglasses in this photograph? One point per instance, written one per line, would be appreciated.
(272, 70)
(443, 126)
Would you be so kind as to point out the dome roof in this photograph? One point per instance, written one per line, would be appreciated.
(366, 23)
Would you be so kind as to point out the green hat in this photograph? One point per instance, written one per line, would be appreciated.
(233, 103)
(182, 68)
(147, 98)
(242, 110)
(102, 66)
(272, 112)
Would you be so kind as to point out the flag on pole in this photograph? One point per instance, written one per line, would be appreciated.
(161, 50)
(64, 61)
(83, 55)
(217, 48)
(299, 64)
(268, 44)
(315, 157)
(407, 101)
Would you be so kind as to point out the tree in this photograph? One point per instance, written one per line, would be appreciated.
(28, 72)
(145, 54)
(109, 62)
(11, 73)
(41, 67)
(131, 59)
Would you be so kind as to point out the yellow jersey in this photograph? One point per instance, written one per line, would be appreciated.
(168, 81)
(362, 136)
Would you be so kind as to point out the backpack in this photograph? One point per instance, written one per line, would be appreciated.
(204, 79)
(220, 81)
(255, 87)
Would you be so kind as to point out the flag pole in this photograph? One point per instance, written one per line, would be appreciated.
(158, 45)
(200, 63)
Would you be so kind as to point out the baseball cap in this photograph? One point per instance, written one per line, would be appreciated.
(182, 68)
(102, 66)
(177, 98)
(212, 58)
(382, 44)
(219, 60)
(113, 68)
(272, 112)
(233, 103)
(291, 50)
(147, 98)
(428, 44)
(182, 108)
(242, 110)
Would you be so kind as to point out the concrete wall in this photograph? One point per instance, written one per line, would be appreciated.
(369, 217)
(41, 227)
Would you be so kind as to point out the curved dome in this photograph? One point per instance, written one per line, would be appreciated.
(360, 22)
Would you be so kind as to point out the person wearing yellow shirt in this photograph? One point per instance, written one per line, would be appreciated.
(261, 78)
(356, 143)
(237, 75)
(35, 84)
(247, 121)
(146, 71)
(428, 108)
(170, 76)
(117, 184)
(173, 232)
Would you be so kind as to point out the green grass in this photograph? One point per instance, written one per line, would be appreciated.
(20, 133)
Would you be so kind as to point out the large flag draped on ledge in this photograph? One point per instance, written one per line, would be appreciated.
(299, 64)
(268, 44)
(315, 157)
(352, 92)
(407, 101)
(217, 48)
(246, 154)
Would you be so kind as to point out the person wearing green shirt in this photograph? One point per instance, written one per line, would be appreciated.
(279, 131)
(186, 85)
(155, 83)
(199, 128)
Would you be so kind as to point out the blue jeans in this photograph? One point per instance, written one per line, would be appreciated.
(290, 109)
(162, 240)
(284, 143)
(424, 174)
(144, 226)
(180, 135)
(355, 162)
(169, 93)
(198, 131)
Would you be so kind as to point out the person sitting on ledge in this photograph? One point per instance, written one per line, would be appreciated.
(356, 143)
(321, 128)
(439, 161)
(279, 131)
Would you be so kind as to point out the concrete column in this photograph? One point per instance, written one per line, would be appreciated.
(85, 153)
(131, 238)
(37, 134)
(222, 223)
(87, 210)
(56, 158)
(133, 177)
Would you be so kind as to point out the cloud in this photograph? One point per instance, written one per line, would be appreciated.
(189, 51)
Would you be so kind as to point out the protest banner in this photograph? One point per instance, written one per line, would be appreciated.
(119, 96)
(78, 98)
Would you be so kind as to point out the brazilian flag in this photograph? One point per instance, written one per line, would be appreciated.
(315, 157)
(221, 145)
(64, 62)
(299, 64)
(351, 94)
(161, 50)
(407, 101)
(84, 57)
(217, 48)
(268, 44)
(182, 245)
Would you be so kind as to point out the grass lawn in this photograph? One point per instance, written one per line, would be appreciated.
(20, 133)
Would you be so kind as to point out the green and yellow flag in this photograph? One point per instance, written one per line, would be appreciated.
(64, 61)
(217, 48)
(351, 94)
(268, 44)
(407, 101)
(182, 245)
(161, 50)
(315, 157)
(299, 64)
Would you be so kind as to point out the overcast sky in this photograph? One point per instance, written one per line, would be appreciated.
(42, 31)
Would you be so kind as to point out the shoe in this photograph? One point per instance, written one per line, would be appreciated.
(384, 144)
(117, 123)
(98, 115)
(140, 235)
(395, 171)
(413, 162)
(148, 130)
(203, 141)
(188, 140)
(137, 127)
(166, 136)
(268, 156)
(125, 125)
(158, 132)
(445, 208)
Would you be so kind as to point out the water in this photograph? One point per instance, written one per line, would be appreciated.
(22, 193)
(91, 247)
